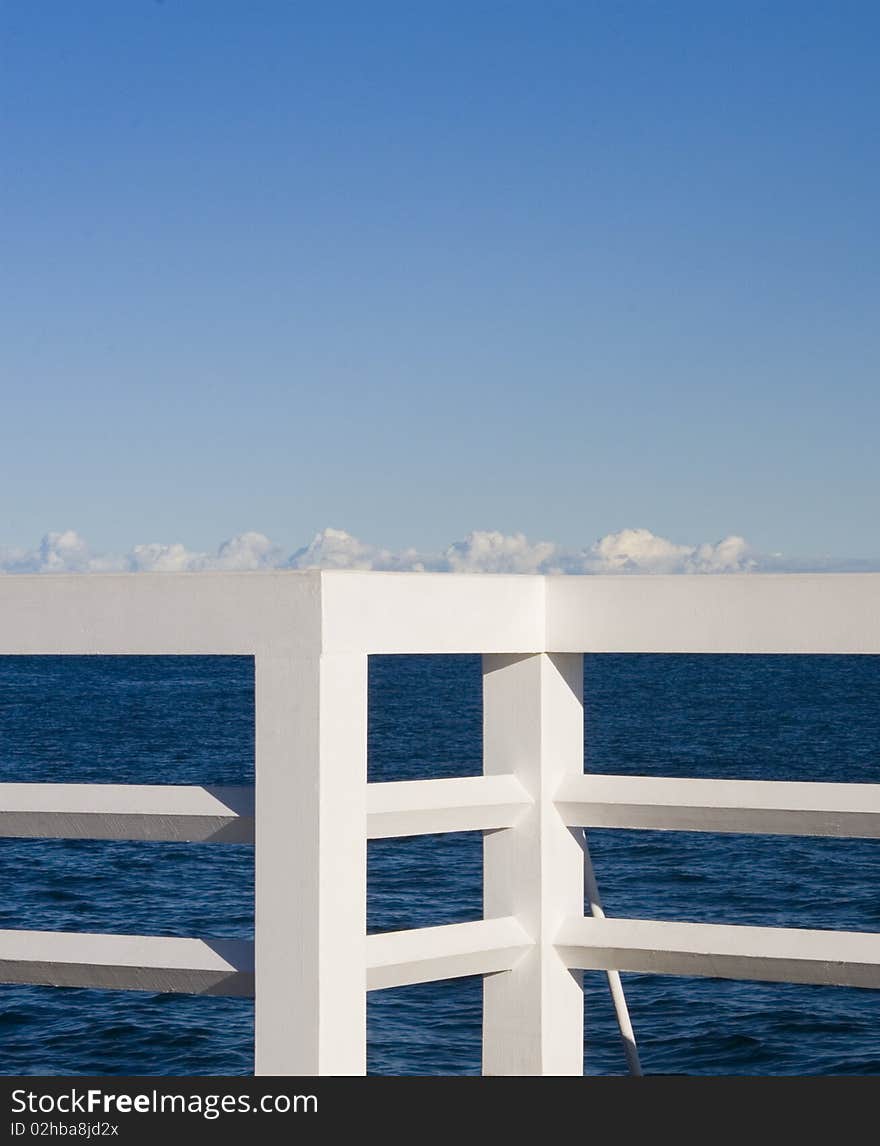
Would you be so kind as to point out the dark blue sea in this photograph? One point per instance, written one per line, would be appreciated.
(186, 720)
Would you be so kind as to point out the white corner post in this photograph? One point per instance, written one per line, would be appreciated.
(533, 726)
(311, 864)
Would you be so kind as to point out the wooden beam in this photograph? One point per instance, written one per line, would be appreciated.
(127, 962)
(226, 966)
(311, 865)
(426, 954)
(188, 813)
(533, 725)
(419, 807)
(772, 807)
(733, 613)
(768, 954)
(169, 812)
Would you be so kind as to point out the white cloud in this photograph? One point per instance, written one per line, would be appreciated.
(487, 551)
(248, 551)
(245, 552)
(336, 549)
(732, 554)
(482, 551)
(641, 551)
(67, 552)
(64, 552)
(157, 558)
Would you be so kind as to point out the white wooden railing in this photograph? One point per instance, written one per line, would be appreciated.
(312, 810)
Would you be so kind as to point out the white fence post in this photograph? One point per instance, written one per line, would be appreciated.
(533, 727)
(310, 956)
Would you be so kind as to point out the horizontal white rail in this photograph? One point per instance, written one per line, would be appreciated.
(419, 807)
(226, 814)
(347, 611)
(226, 966)
(735, 613)
(397, 958)
(761, 806)
(127, 812)
(127, 962)
(722, 951)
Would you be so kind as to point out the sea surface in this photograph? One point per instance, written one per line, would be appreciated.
(189, 720)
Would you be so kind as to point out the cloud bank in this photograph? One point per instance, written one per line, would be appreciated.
(482, 551)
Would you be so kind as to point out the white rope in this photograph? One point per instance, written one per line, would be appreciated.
(591, 890)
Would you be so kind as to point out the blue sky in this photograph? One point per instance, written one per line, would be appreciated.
(413, 270)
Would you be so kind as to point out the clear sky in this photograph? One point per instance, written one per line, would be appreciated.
(416, 269)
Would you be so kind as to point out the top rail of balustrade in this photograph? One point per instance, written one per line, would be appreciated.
(721, 613)
(336, 611)
(273, 614)
(159, 613)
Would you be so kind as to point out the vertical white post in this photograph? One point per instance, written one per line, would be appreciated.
(533, 726)
(311, 864)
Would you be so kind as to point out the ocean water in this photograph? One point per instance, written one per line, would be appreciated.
(190, 720)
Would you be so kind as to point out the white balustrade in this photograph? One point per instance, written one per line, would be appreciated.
(312, 810)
